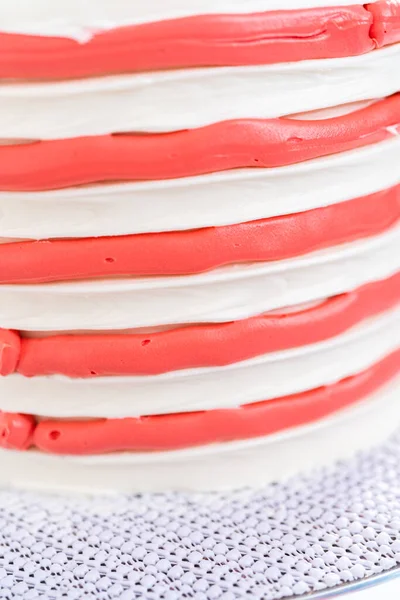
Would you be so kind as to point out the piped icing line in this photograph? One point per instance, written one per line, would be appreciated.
(16, 430)
(218, 199)
(170, 432)
(386, 22)
(196, 251)
(221, 295)
(75, 355)
(262, 378)
(362, 426)
(10, 351)
(71, 18)
(174, 100)
(219, 147)
(196, 41)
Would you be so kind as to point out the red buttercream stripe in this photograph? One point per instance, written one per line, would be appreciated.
(194, 251)
(169, 432)
(16, 431)
(206, 40)
(10, 351)
(218, 147)
(385, 28)
(203, 345)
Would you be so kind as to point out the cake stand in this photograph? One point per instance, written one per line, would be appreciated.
(331, 534)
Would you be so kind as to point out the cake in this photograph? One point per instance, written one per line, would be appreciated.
(200, 240)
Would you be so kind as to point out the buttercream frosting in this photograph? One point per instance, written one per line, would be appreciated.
(170, 349)
(173, 431)
(166, 153)
(169, 432)
(266, 377)
(229, 293)
(175, 100)
(71, 18)
(204, 40)
(209, 200)
(243, 143)
(385, 21)
(195, 251)
(218, 466)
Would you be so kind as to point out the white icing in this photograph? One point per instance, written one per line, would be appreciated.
(219, 466)
(266, 377)
(229, 293)
(79, 19)
(329, 113)
(188, 203)
(284, 310)
(186, 98)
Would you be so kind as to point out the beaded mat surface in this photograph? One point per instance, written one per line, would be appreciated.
(335, 527)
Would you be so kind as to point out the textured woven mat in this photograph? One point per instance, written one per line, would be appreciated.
(335, 527)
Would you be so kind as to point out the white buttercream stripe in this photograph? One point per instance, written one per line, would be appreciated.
(262, 378)
(209, 200)
(230, 293)
(285, 310)
(219, 466)
(79, 19)
(187, 98)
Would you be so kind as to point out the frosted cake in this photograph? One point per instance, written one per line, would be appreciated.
(200, 239)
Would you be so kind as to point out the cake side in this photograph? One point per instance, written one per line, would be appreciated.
(200, 240)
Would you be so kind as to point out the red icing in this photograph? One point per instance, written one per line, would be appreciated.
(10, 350)
(203, 345)
(194, 251)
(218, 147)
(386, 22)
(206, 40)
(16, 431)
(168, 432)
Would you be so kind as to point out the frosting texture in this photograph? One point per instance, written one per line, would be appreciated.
(385, 22)
(199, 238)
(221, 295)
(195, 251)
(200, 40)
(219, 147)
(229, 197)
(265, 377)
(216, 466)
(85, 355)
(71, 18)
(175, 100)
(169, 432)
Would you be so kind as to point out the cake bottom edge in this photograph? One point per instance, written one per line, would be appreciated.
(230, 465)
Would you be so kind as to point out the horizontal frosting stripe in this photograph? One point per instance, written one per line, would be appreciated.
(219, 147)
(202, 40)
(226, 294)
(77, 20)
(193, 346)
(170, 432)
(174, 100)
(195, 251)
(265, 377)
(242, 463)
(16, 430)
(386, 22)
(229, 197)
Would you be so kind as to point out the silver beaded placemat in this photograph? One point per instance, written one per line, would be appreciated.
(339, 526)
